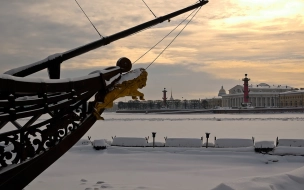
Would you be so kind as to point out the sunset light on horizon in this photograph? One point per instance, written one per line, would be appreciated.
(225, 40)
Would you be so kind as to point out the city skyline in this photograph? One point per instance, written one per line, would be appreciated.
(226, 39)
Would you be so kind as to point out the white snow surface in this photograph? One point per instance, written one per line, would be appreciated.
(158, 144)
(40, 80)
(130, 75)
(233, 143)
(291, 142)
(295, 151)
(83, 142)
(264, 144)
(129, 141)
(209, 144)
(183, 142)
(293, 180)
(112, 79)
(179, 168)
(100, 142)
(83, 168)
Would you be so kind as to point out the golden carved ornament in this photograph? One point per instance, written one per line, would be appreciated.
(126, 88)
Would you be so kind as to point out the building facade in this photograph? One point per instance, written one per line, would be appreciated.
(264, 95)
(294, 98)
(211, 103)
(261, 95)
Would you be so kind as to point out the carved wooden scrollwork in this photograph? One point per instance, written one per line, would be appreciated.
(20, 145)
(10, 149)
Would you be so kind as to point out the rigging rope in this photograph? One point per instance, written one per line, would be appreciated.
(196, 11)
(164, 37)
(149, 8)
(101, 36)
(174, 38)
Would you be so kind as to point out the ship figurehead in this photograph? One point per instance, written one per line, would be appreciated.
(128, 85)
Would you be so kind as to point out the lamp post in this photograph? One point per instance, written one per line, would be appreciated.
(278, 100)
(302, 100)
(207, 137)
(199, 103)
(153, 135)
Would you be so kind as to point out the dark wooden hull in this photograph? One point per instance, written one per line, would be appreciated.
(19, 176)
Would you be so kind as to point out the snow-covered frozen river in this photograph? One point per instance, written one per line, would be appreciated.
(260, 126)
(162, 168)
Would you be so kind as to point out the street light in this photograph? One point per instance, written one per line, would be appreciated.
(207, 137)
(302, 100)
(153, 135)
(199, 103)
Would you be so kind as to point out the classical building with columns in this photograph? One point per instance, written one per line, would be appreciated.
(261, 95)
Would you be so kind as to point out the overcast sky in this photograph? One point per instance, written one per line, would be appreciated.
(226, 39)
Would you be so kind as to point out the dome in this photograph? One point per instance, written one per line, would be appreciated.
(263, 85)
(222, 92)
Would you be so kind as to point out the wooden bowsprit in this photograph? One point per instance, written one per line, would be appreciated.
(33, 147)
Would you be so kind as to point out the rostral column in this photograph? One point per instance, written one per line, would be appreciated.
(165, 98)
(246, 89)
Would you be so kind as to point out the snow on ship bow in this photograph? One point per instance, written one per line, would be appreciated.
(34, 146)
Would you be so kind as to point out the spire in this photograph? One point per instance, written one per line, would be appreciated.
(171, 98)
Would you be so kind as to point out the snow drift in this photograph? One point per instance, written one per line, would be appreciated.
(291, 142)
(293, 180)
(233, 143)
(264, 144)
(183, 142)
(129, 141)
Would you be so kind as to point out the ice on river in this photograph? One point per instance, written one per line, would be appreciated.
(160, 168)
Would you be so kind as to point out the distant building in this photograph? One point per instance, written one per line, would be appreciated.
(294, 98)
(261, 95)
(222, 92)
(210, 103)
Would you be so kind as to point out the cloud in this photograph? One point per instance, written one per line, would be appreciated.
(226, 39)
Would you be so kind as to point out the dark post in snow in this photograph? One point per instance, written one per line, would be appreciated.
(153, 135)
(207, 137)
